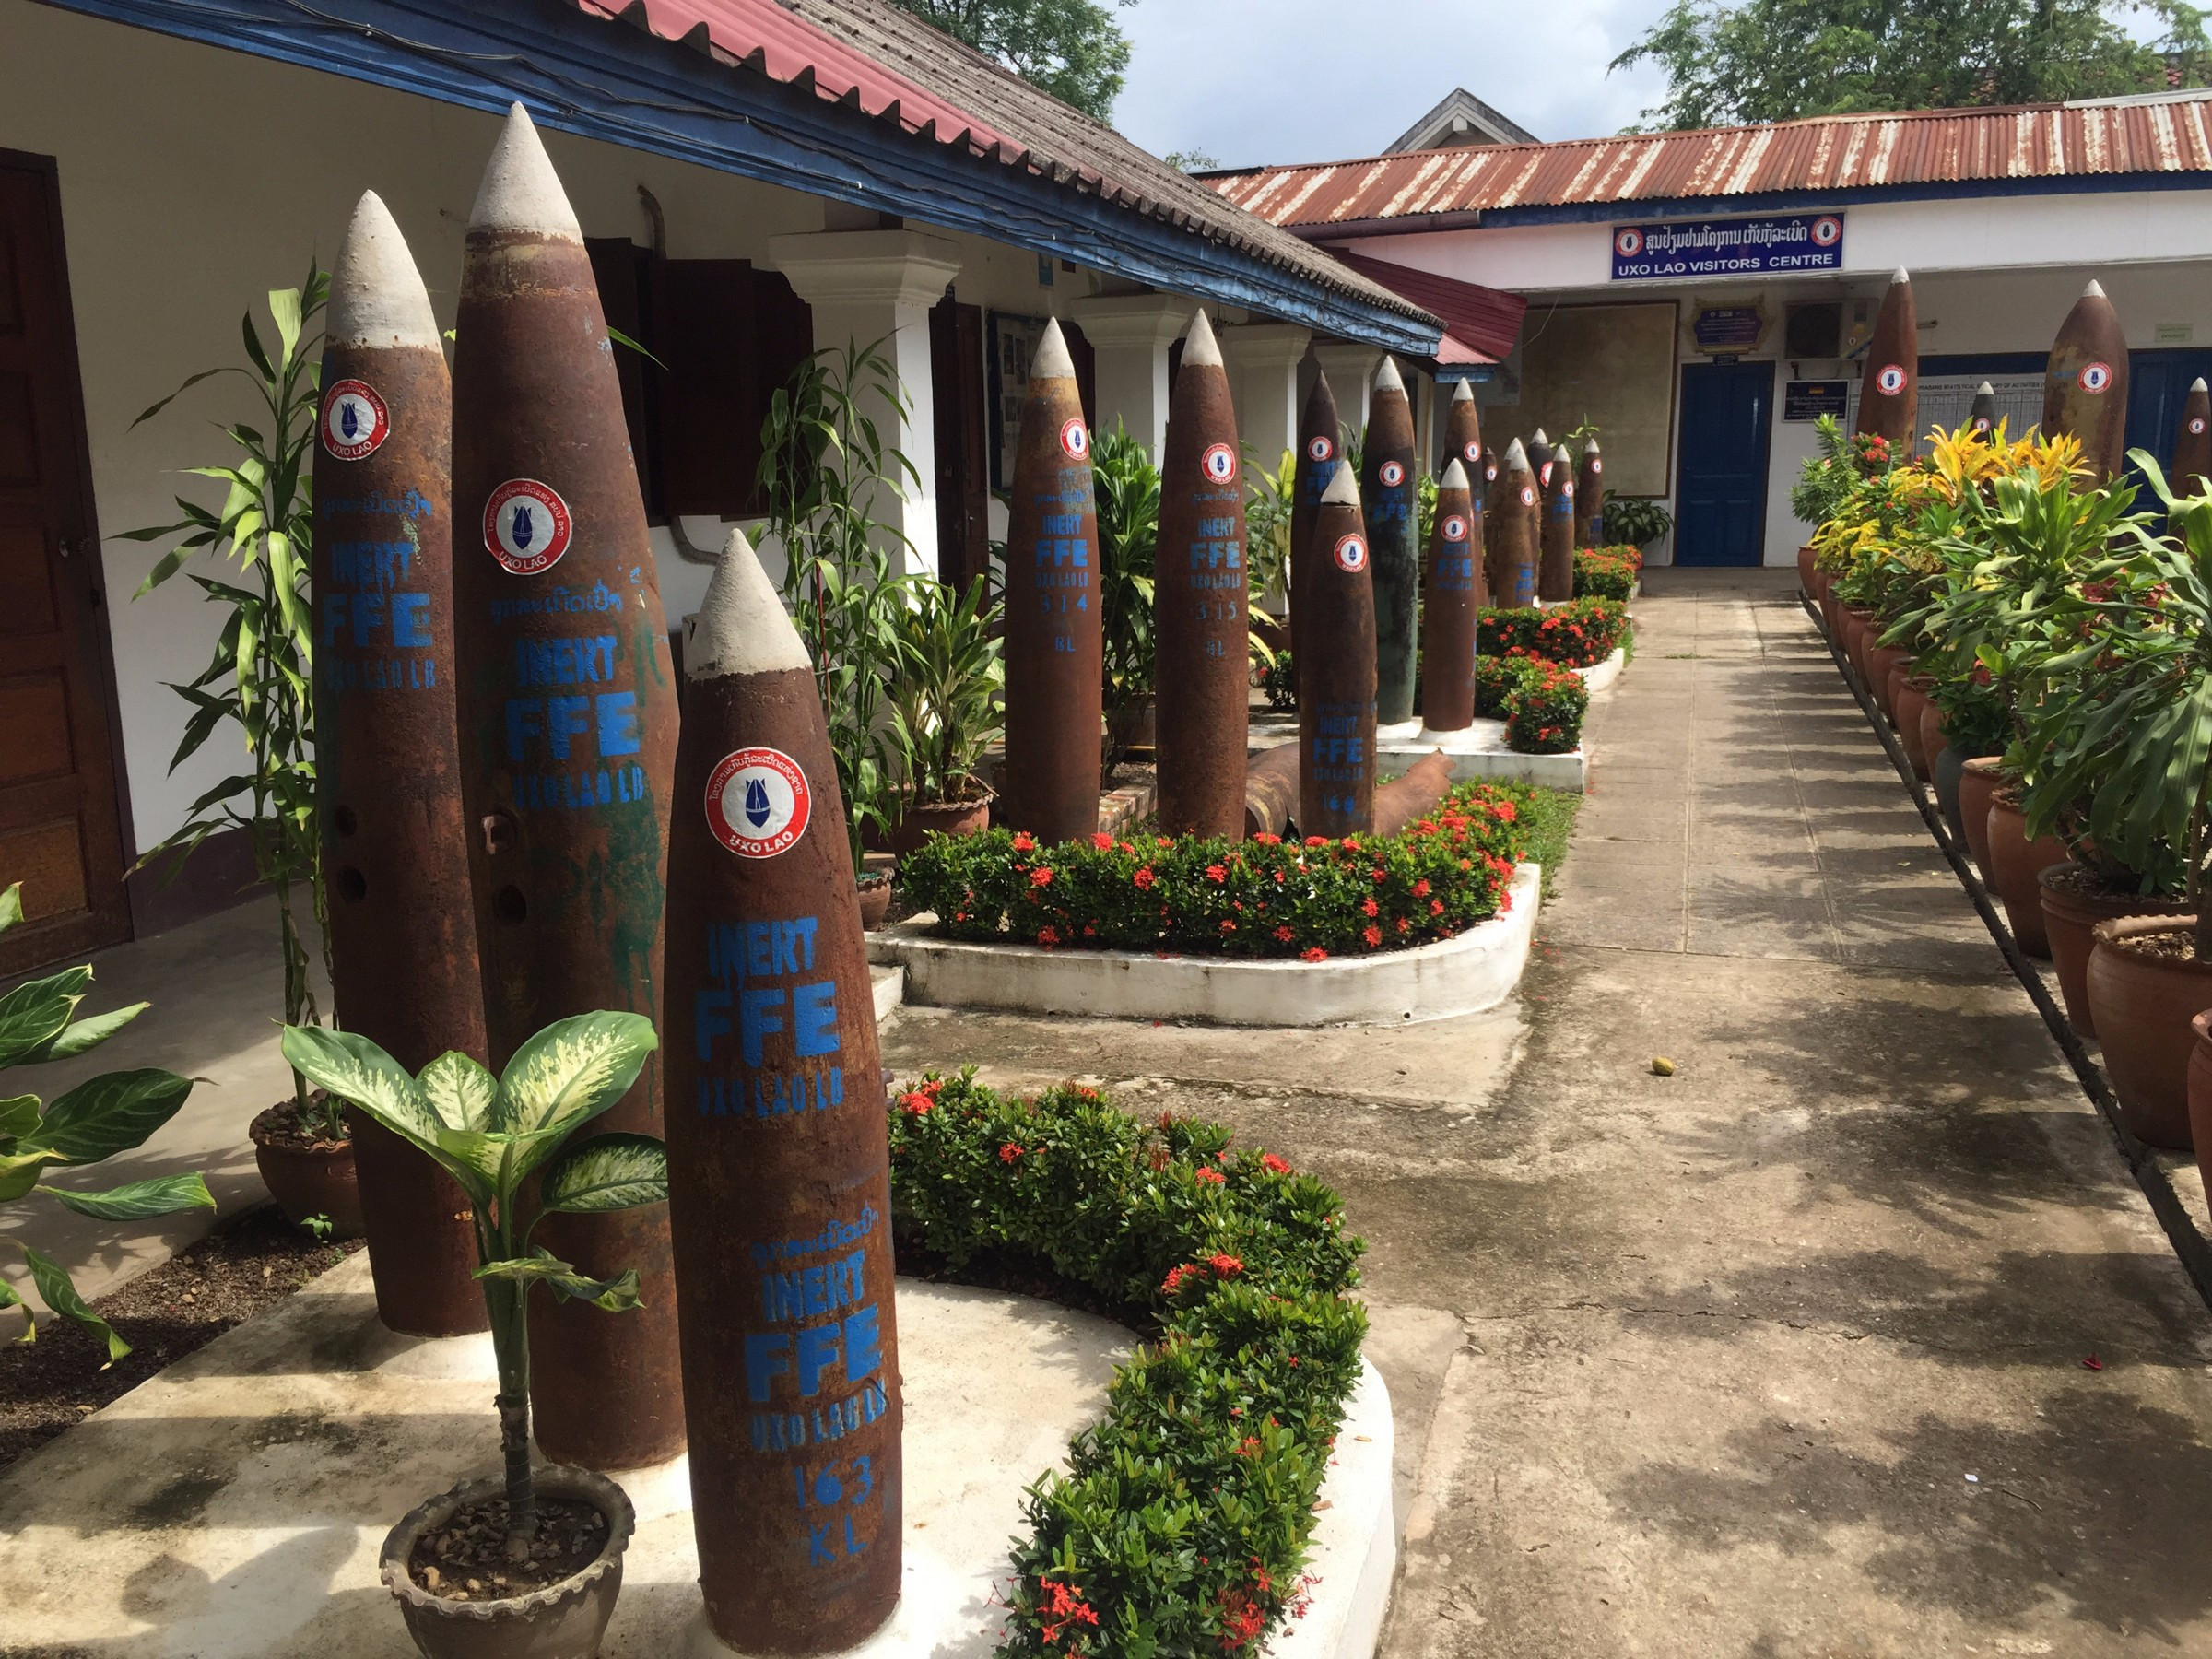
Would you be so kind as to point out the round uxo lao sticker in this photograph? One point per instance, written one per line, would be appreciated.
(354, 421)
(1351, 553)
(758, 802)
(1218, 463)
(527, 526)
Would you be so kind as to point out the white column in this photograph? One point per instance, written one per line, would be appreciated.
(1350, 369)
(870, 286)
(1130, 334)
(1262, 359)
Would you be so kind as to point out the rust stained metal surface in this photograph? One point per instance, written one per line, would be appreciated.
(2193, 444)
(779, 1175)
(388, 781)
(1271, 791)
(568, 720)
(1829, 152)
(1510, 533)
(2084, 384)
(1336, 688)
(1454, 594)
(1319, 439)
(1055, 634)
(1590, 496)
(1555, 569)
(1412, 794)
(1889, 390)
(1389, 493)
(1200, 631)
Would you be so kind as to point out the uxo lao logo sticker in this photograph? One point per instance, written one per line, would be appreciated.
(1596, 465)
(1473, 452)
(2096, 377)
(1827, 230)
(758, 802)
(1351, 553)
(1543, 474)
(1891, 380)
(526, 526)
(2196, 426)
(354, 421)
(1075, 438)
(1528, 496)
(1628, 243)
(1456, 527)
(1320, 448)
(1218, 463)
(1392, 474)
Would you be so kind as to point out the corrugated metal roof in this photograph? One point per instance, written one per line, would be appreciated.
(890, 66)
(2158, 134)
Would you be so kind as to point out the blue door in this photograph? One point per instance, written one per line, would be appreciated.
(2158, 383)
(1721, 484)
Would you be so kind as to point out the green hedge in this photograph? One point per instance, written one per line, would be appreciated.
(1181, 1525)
(1580, 634)
(1603, 574)
(1543, 705)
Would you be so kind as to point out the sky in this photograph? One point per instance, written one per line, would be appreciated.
(1252, 81)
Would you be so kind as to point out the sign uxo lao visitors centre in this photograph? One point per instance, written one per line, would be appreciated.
(1729, 247)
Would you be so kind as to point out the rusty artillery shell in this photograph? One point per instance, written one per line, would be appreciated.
(1512, 529)
(1200, 633)
(1981, 416)
(2192, 472)
(1590, 496)
(778, 1156)
(1055, 639)
(1889, 396)
(1336, 694)
(1462, 431)
(1454, 594)
(1390, 495)
(1319, 441)
(388, 757)
(2085, 388)
(1271, 791)
(1412, 794)
(1554, 569)
(568, 744)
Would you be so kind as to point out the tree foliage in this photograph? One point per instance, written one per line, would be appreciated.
(1776, 60)
(1072, 49)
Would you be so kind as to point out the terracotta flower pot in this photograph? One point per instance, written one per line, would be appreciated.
(1943, 775)
(2015, 862)
(941, 817)
(2143, 1003)
(306, 1180)
(1932, 740)
(1882, 660)
(564, 1620)
(1858, 630)
(875, 900)
(1911, 701)
(1805, 583)
(1891, 686)
(2072, 908)
(1978, 783)
(2200, 1093)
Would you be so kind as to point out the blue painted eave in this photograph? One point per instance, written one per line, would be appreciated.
(1787, 200)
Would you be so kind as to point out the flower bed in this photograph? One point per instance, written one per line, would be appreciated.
(1180, 1524)
(1580, 634)
(1542, 704)
(1607, 574)
(1265, 897)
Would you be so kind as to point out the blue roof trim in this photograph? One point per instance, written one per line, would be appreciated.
(1779, 201)
(608, 81)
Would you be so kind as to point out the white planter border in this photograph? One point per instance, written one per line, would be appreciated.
(1477, 969)
(1598, 677)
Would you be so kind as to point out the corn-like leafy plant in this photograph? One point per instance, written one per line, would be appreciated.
(1127, 487)
(260, 676)
(491, 1135)
(101, 1116)
(945, 687)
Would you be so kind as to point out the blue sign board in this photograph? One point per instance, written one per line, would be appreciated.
(1729, 247)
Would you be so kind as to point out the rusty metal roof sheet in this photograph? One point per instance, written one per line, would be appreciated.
(2158, 134)
(892, 66)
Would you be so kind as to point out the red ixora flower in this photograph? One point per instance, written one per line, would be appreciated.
(1312, 953)
(1249, 1446)
(1267, 838)
(916, 1103)
(1008, 1153)
(1370, 907)
(1102, 840)
(1024, 842)
(1048, 937)
(1144, 877)
(1284, 934)
(1217, 873)
(1212, 1177)
(1274, 1165)
(1223, 1266)
(1372, 933)
(1176, 1277)
(1317, 840)
(1042, 875)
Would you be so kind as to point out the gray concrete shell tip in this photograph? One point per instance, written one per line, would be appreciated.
(1344, 488)
(1052, 361)
(741, 626)
(521, 191)
(376, 293)
(1200, 349)
(1455, 477)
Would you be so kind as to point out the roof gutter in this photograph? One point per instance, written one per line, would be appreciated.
(1342, 229)
(605, 80)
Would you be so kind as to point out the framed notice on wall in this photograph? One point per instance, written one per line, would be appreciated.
(1013, 341)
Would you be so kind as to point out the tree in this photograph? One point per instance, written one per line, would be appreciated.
(1777, 60)
(1190, 161)
(1072, 49)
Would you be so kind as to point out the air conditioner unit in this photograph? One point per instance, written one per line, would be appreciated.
(1814, 330)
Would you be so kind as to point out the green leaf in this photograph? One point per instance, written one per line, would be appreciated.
(11, 906)
(620, 338)
(461, 1094)
(81, 1036)
(9, 1299)
(616, 1295)
(33, 1013)
(572, 1070)
(110, 1114)
(18, 1115)
(61, 1296)
(194, 381)
(259, 357)
(606, 1172)
(135, 1200)
(356, 1070)
(19, 1172)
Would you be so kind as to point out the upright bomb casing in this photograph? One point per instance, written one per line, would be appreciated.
(1390, 495)
(2085, 385)
(1511, 530)
(1463, 443)
(1200, 630)
(1982, 414)
(1455, 597)
(1555, 571)
(1055, 642)
(2192, 473)
(1590, 496)
(1336, 697)
(779, 1158)
(1319, 440)
(388, 759)
(1889, 396)
(568, 744)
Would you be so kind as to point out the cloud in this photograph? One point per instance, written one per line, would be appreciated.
(1253, 81)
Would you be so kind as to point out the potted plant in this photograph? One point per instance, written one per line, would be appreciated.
(529, 1560)
(1127, 485)
(101, 1116)
(944, 694)
(260, 679)
(1637, 522)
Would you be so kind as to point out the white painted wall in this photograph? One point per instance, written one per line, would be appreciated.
(195, 180)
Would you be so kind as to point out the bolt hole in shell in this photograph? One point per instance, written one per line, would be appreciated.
(346, 822)
(509, 904)
(499, 831)
(353, 887)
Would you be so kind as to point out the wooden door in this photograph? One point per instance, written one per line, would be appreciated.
(1720, 489)
(60, 825)
(956, 372)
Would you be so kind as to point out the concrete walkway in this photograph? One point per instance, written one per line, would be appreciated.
(1781, 1355)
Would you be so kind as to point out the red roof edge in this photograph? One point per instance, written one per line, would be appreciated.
(1486, 320)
